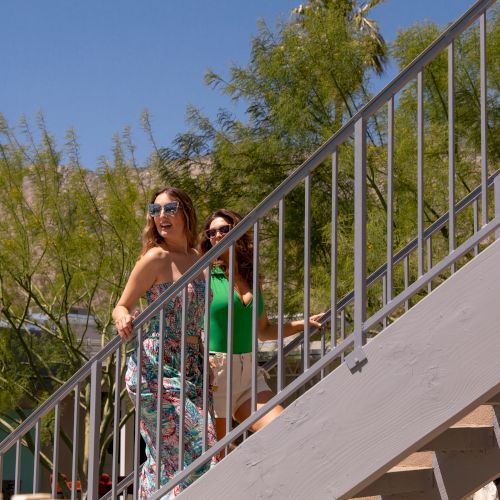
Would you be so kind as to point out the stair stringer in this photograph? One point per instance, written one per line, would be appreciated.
(425, 371)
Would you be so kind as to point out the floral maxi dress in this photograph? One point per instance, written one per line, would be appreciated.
(193, 412)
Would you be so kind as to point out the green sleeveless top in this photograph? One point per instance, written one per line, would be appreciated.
(242, 326)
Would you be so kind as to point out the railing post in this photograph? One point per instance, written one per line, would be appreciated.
(333, 271)
(420, 171)
(281, 300)
(95, 425)
(451, 149)
(357, 356)
(496, 197)
(484, 117)
(36, 459)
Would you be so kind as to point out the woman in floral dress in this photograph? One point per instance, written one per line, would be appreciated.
(168, 251)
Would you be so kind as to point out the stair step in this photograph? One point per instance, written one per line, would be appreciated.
(415, 475)
(482, 415)
(479, 437)
(495, 400)
(400, 480)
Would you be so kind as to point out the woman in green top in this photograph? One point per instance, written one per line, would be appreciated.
(216, 227)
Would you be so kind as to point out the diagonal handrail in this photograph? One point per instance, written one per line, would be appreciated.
(260, 210)
(357, 122)
(84, 371)
(437, 225)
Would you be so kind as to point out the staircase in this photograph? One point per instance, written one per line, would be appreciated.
(404, 400)
(398, 425)
(450, 466)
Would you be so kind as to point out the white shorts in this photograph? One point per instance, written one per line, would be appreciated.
(242, 381)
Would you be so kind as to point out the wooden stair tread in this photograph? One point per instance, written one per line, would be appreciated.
(419, 459)
(415, 473)
(482, 415)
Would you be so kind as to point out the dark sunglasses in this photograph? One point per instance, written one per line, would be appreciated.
(168, 209)
(211, 233)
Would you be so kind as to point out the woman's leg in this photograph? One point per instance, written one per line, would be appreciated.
(244, 410)
(220, 427)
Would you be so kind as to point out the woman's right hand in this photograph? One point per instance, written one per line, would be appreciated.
(124, 324)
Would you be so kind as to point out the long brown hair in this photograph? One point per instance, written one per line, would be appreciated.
(150, 235)
(243, 246)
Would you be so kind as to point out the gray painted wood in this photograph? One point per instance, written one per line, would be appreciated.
(495, 400)
(462, 473)
(463, 438)
(432, 494)
(397, 482)
(423, 373)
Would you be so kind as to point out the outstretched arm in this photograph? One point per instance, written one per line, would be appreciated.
(268, 331)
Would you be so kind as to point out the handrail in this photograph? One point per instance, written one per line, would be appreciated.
(381, 271)
(247, 223)
(111, 346)
(298, 175)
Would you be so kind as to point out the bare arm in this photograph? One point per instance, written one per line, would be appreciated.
(142, 277)
(268, 331)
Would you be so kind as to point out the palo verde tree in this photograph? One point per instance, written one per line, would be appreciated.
(303, 81)
(69, 240)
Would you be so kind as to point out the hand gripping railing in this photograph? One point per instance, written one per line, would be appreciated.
(341, 343)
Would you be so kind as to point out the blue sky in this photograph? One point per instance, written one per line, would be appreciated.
(95, 65)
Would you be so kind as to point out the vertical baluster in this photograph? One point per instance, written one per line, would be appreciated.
(342, 330)
(323, 347)
(420, 171)
(1, 469)
(484, 124)
(334, 249)
(255, 314)
(476, 224)
(384, 298)
(55, 457)
(17, 470)
(36, 460)
(429, 261)
(281, 272)
(182, 413)
(451, 150)
(116, 422)
(390, 199)
(76, 438)
(137, 429)
(406, 266)
(496, 199)
(307, 268)
(159, 398)
(206, 355)
(359, 231)
(95, 424)
(230, 349)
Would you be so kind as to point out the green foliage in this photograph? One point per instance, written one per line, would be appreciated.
(302, 82)
(70, 239)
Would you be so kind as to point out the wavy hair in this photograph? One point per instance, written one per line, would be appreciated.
(243, 246)
(150, 235)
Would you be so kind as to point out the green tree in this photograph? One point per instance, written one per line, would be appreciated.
(70, 239)
(302, 82)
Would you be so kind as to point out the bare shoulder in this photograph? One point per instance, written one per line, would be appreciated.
(156, 253)
(155, 257)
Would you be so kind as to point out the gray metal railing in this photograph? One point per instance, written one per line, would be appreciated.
(349, 320)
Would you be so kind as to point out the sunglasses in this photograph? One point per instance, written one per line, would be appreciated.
(211, 233)
(168, 209)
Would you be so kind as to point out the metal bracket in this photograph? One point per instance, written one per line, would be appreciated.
(356, 359)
